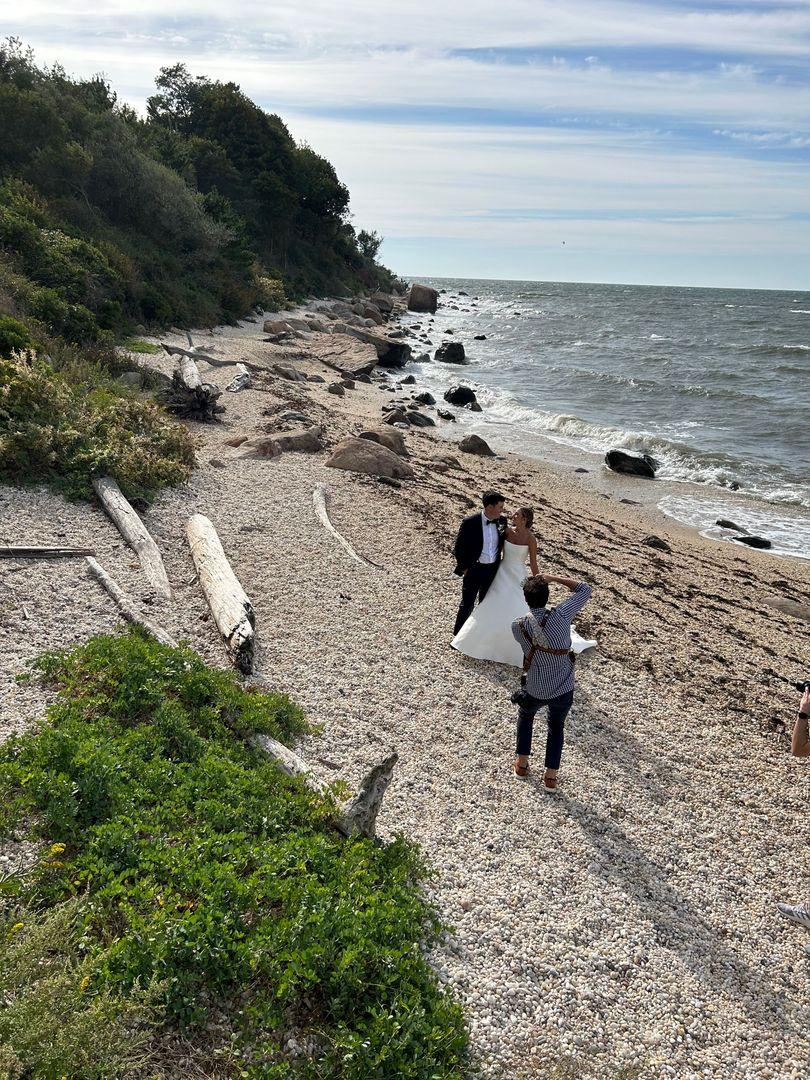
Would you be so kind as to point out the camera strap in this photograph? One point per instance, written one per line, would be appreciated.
(535, 648)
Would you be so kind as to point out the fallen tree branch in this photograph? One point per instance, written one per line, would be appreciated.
(188, 396)
(319, 502)
(228, 601)
(214, 361)
(16, 552)
(356, 815)
(125, 604)
(134, 532)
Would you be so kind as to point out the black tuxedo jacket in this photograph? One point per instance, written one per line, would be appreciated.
(470, 541)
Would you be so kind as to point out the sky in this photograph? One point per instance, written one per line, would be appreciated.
(656, 142)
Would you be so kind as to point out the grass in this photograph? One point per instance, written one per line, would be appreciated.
(133, 345)
(200, 890)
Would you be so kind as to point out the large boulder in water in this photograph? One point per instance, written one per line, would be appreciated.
(753, 541)
(451, 352)
(631, 464)
(422, 298)
(460, 395)
(364, 456)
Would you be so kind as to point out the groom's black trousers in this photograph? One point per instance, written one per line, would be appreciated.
(474, 586)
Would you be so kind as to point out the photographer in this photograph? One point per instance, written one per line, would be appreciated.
(800, 747)
(800, 743)
(545, 637)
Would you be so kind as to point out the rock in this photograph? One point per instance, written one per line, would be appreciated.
(582, 470)
(631, 464)
(363, 378)
(298, 324)
(389, 481)
(422, 298)
(371, 311)
(270, 446)
(364, 456)
(389, 353)
(395, 416)
(450, 461)
(287, 372)
(460, 395)
(788, 607)
(474, 407)
(347, 354)
(724, 523)
(394, 440)
(418, 419)
(217, 463)
(315, 378)
(133, 380)
(347, 384)
(449, 331)
(409, 380)
(294, 417)
(657, 543)
(275, 326)
(445, 414)
(480, 337)
(753, 541)
(383, 302)
(335, 388)
(423, 357)
(451, 352)
(474, 444)
(425, 398)
(236, 440)
(630, 502)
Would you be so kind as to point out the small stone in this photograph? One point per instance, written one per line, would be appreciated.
(335, 388)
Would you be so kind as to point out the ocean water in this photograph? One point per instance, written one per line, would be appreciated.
(713, 383)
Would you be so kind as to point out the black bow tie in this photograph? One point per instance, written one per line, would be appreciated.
(495, 522)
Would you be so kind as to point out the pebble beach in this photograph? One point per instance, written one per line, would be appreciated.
(626, 927)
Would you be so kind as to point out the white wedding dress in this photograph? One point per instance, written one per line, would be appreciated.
(487, 634)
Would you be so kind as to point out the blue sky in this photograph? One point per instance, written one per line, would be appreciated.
(654, 142)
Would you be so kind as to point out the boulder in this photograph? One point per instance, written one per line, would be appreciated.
(275, 326)
(290, 373)
(297, 324)
(345, 354)
(374, 459)
(459, 395)
(451, 352)
(347, 384)
(423, 357)
(382, 301)
(409, 380)
(474, 444)
(425, 398)
(293, 417)
(480, 337)
(335, 388)
(315, 378)
(133, 380)
(724, 523)
(422, 298)
(657, 543)
(418, 419)
(631, 464)
(753, 541)
(396, 416)
(445, 414)
(389, 353)
(394, 440)
(269, 446)
(450, 461)
(788, 607)
(474, 407)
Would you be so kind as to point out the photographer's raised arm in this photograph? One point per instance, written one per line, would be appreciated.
(800, 744)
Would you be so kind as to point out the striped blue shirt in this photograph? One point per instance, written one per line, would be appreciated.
(550, 675)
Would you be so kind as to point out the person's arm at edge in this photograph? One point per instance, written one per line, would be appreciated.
(580, 595)
(800, 743)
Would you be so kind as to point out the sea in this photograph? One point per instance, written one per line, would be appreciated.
(713, 383)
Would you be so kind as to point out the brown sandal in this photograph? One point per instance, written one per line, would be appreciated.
(521, 770)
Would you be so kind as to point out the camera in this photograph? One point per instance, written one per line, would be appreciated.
(802, 686)
(522, 698)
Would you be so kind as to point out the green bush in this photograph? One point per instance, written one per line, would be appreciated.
(196, 865)
(14, 336)
(270, 293)
(60, 432)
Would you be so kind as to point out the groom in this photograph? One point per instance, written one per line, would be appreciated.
(478, 550)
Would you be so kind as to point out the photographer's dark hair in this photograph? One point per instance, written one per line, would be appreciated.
(528, 515)
(490, 498)
(535, 592)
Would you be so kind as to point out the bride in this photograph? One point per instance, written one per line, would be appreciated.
(487, 634)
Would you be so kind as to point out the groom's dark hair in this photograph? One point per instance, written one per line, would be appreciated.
(535, 591)
(490, 498)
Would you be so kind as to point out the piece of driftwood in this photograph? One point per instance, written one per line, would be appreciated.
(188, 396)
(126, 605)
(214, 361)
(241, 381)
(14, 551)
(229, 603)
(356, 815)
(135, 533)
(319, 502)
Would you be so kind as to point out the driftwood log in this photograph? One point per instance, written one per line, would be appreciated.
(126, 605)
(356, 815)
(319, 502)
(228, 601)
(214, 361)
(188, 396)
(14, 551)
(241, 381)
(135, 533)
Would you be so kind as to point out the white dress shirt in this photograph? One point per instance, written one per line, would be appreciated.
(489, 552)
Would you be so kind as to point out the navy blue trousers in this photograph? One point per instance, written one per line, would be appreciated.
(558, 709)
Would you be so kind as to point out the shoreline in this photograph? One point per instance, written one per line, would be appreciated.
(643, 898)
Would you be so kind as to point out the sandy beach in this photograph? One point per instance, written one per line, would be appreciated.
(630, 923)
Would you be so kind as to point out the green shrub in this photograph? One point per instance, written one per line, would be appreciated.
(196, 865)
(14, 336)
(62, 433)
(270, 293)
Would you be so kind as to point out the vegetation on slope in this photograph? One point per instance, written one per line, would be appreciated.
(186, 884)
